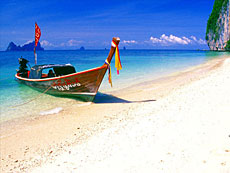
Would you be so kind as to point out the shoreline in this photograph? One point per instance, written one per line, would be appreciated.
(47, 102)
(108, 93)
(43, 138)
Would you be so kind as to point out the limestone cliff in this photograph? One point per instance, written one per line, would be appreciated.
(218, 27)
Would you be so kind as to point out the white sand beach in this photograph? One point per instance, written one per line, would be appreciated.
(180, 123)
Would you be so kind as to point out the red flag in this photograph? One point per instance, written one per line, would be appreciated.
(37, 34)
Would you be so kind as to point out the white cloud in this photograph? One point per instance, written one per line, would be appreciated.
(129, 41)
(200, 41)
(194, 38)
(43, 43)
(46, 43)
(165, 40)
(186, 39)
(155, 40)
(171, 39)
(73, 42)
(29, 41)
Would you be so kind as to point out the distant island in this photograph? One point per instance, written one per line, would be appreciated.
(82, 48)
(25, 47)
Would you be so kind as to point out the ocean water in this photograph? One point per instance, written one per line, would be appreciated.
(138, 66)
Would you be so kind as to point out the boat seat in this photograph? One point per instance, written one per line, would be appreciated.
(44, 75)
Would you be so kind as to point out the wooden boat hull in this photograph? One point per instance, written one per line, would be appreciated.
(82, 85)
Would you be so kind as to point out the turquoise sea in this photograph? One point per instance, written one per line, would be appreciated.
(138, 66)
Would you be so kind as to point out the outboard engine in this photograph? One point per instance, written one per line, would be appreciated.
(23, 69)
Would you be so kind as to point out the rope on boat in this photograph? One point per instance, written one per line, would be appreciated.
(32, 99)
(109, 72)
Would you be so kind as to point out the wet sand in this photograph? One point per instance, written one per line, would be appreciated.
(179, 123)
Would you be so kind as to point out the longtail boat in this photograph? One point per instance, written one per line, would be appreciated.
(65, 81)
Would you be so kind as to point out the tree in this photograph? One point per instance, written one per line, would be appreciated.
(227, 47)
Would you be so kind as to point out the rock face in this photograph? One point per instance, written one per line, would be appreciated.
(218, 27)
(26, 47)
(13, 47)
(82, 48)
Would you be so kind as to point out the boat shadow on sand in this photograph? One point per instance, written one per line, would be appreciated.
(106, 98)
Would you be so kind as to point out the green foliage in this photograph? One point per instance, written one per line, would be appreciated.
(228, 46)
(212, 24)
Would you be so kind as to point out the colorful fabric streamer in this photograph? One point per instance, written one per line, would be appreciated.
(117, 60)
(117, 57)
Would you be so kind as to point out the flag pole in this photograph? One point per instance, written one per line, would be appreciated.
(35, 57)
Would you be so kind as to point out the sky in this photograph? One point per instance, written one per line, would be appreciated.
(140, 24)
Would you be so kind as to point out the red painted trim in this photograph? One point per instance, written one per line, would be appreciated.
(61, 77)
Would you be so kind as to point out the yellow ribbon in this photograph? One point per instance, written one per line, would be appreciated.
(117, 60)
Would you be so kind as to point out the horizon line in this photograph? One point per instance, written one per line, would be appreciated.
(108, 49)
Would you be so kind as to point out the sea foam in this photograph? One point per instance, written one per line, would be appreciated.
(51, 111)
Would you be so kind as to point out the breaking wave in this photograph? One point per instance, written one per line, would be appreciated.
(51, 111)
